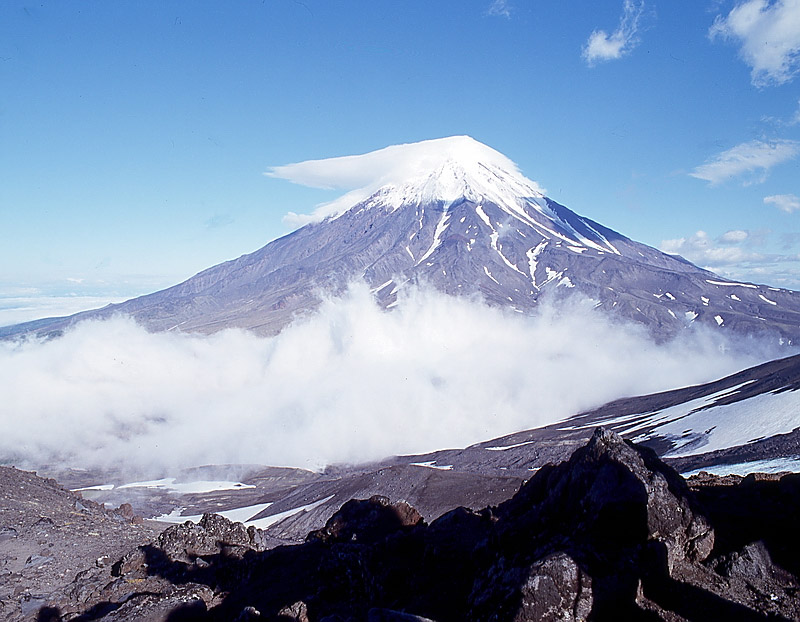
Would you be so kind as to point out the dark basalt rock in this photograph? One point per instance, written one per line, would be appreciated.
(553, 588)
(367, 521)
(610, 534)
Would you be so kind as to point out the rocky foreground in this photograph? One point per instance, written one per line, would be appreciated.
(611, 534)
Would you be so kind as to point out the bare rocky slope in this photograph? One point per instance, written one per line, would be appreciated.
(612, 533)
(469, 224)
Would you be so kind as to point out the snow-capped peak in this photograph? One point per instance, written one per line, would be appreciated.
(443, 169)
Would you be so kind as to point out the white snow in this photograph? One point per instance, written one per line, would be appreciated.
(704, 300)
(188, 488)
(494, 236)
(732, 284)
(551, 275)
(704, 424)
(719, 320)
(237, 515)
(670, 296)
(690, 316)
(765, 299)
(736, 298)
(438, 171)
(504, 447)
(243, 514)
(441, 227)
(98, 487)
(533, 254)
(775, 465)
(489, 274)
(432, 465)
(734, 424)
(380, 287)
(267, 521)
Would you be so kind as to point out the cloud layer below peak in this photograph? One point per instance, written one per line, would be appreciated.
(350, 383)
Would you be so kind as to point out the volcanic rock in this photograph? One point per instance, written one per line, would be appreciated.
(610, 534)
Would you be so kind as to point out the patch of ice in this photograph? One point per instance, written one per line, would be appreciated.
(765, 299)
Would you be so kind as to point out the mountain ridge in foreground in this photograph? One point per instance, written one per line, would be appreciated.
(611, 533)
(460, 217)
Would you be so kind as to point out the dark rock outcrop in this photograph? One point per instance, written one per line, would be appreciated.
(610, 534)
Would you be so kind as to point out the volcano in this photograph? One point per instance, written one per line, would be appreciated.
(460, 217)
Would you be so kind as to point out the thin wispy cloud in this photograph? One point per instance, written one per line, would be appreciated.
(785, 202)
(739, 255)
(500, 8)
(602, 46)
(218, 221)
(752, 159)
(712, 253)
(768, 34)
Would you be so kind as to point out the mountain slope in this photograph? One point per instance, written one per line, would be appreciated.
(466, 222)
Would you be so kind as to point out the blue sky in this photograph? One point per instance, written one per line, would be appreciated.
(134, 135)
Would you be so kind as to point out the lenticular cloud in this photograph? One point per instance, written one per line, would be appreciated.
(352, 382)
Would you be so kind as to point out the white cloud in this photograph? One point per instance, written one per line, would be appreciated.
(738, 255)
(15, 309)
(602, 47)
(364, 174)
(786, 202)
(753, 159)
(500, 8)
(350, 383)
(734, 237)
(795, 120)
(703, 250)
(769, 35)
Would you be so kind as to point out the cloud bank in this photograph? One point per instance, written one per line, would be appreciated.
(350, 383)
(785, 202)
(753, 160)
(768, 34)
(602, 46)
(740, 255)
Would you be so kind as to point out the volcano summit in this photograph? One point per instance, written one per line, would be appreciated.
(457, 215)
